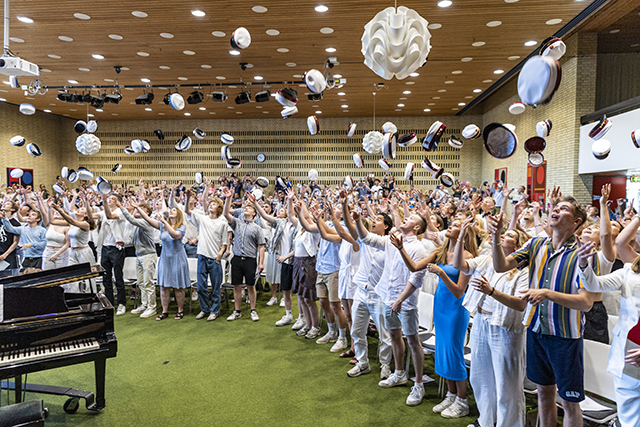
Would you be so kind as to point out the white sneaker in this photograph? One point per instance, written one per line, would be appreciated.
(254, 316)
(272, 301)
(385, 371)
(300, 323)
(287, 319)
(282, 302)
(194, 294)
(331, 336)
(234, 316)
(313, 333)
(212, 317)
(460, 408)
(340, 345)
(121, 310)
(139, 309)
(448, 401)
(149, 312)
(416, 395)
(358, 370)
(303, 331)
(201, 315)
(393, 380)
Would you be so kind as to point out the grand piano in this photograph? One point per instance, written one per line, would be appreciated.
(43, 327)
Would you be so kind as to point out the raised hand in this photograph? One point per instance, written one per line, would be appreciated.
(584, 252)
(495, 223)
(251, 198)
(226, 192)
(481, 284)
(396, 240)
(465, 226)
(518, 208)
(605, 192)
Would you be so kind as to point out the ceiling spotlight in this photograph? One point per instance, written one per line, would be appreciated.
(445, 3)
(65, 96)
(98, 101)
(234, 52)
(530, 43)
(145, 99)
(195, 97)
(86, 98)
(113, 98)
(218, 96)
(263, 96)
(321, 8)
(243, 98)
(198, 13)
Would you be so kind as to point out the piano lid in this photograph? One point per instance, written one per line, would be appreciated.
(39, 278)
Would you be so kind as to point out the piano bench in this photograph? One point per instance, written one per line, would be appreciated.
(28, 414)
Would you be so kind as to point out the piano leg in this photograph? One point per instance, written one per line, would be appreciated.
(17, 382)
(100, 371)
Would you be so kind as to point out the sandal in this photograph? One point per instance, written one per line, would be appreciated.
(348, 353)
(353, 361)
(179, 316)
(162, 316)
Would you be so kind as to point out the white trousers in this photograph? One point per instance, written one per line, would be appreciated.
(62, 261)
(146, 269)
(81, 256)
(368, 305)
(497, 373)
(628, 400)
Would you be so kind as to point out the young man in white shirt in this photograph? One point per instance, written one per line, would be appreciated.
(112, 259)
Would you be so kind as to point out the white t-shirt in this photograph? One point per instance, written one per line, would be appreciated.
(213, 233)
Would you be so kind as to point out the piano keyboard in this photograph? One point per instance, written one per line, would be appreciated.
(47, 351)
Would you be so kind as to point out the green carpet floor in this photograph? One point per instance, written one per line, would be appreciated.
(243, 373)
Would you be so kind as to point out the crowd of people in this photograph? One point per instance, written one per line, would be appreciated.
(537, 278)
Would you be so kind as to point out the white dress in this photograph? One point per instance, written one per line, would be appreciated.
(349, 264)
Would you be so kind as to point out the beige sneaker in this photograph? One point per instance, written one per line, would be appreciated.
(448, 401)
(460, 408)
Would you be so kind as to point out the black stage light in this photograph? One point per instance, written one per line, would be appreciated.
(195, 97)
(314, 96)
(86, 98)
(75, 98)
(145, 99)
(113, 98)
(218, 96)
(98, 101)
(243, 98)
(263, 96)
(64, 96)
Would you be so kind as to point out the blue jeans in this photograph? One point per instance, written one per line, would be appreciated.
(208, 267)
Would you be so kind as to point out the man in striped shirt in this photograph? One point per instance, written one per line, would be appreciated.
(554, 315)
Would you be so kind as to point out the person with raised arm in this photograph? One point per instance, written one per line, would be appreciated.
(497, 338)
(450, 318)
(212, 243)
(33, 240)
(397, 290)
(9, 241)
(366, 303)
(112, 256)
(56, 253)
(173, 268)
(624, 355)
(248, 255)
(554, 315)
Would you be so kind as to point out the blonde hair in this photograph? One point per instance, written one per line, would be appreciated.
(179, 220)
(635, 266)
(470, 245)
(521, 239)
(367, 223)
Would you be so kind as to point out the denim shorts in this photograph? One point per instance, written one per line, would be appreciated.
(407, 320)
(556, 360)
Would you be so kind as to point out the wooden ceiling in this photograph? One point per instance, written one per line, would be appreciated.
(443, 84)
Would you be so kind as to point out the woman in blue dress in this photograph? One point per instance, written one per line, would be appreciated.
(450, 318)
(173, 267)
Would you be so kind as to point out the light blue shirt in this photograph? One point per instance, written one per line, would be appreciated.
(328, 260)
(37, 236)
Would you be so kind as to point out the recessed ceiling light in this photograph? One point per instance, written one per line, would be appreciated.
(456, 72)
(530, 43)
(487, 81)
(65, 38)
(86, 70)
(52, 56)
(166, 35)
(478, 44)
(258, 78)
(553, 21)
(345, 111)
(206, 66)
(6, 82)
(511, 1)
(330, 49)
(435, 97)
(282, 50)
(398, 109)
(445, 3)
(73, 82)
(513, 58)
(221, 77)
(614, 31)
(467, 59)
(143, 54)
(341, 94)
(249, 65)
(164, 67)
(184, 79)
(434, 26)
(145, 80)
(400, 105)
(477, 90)
(82, 16)
(46, 111)
(72, 109)
(414, 74)
(16, 39)
(148, 109)
(197, 12)
(234, 52)
(108, 80)
(455, 109)
(113, 114)
(115, 37)
(259, 9)
(139, 14)
(462, 104)
(442, 90)
(46, 70)
(449, 82)
(406, 92)
(498, 72)
(188, 52)
(468, 97)
(410, 83)
(494, 23)
(431, 103)
(321, 8)
(326, 30)
(230, 108)
(219, 33)
(272, 32)
(89, 115)
(97, 56)
(426, 110)
(265, 112)
(291, 64)
(25, 19)
(187, 114)
(99, 110)
(344, 106)
(238, 112)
